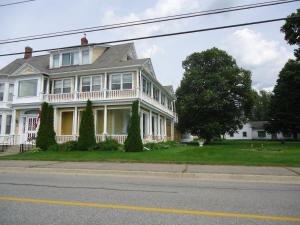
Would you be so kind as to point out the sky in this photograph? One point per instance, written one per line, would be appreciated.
(259, 48)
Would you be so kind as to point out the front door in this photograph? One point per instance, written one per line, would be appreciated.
(29, 131)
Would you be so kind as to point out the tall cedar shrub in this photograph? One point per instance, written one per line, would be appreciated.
(46, 134)
(87, 138)
(133, 142)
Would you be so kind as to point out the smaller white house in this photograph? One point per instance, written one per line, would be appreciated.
(254, 130)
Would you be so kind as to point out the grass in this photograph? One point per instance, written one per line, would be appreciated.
(256, 153)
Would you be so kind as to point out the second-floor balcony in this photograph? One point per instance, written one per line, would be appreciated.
(93, 95)
(104, 95)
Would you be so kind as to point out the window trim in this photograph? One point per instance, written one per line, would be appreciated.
(62, 86)
(91, 82)
(121, 82)
(30, 96)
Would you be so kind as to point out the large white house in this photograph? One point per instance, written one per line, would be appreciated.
(111, 76)
(255, 130)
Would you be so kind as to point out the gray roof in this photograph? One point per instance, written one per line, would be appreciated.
(258, 124)
(112, 57)
(169, 88)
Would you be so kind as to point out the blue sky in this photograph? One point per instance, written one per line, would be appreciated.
(260, 48)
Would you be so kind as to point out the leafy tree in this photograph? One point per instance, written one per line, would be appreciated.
(46, 134)
(285, 104)
(133, 142)
(262, 100)
(86, 139)
(291, 28)
(214, 96)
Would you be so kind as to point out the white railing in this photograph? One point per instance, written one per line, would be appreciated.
(94, 95)
(63, 97)
(113, 94)
(99, 138)
(65, 138)
(155, 103)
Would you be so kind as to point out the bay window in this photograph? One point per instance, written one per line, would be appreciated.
(92, 83)
(1, 92)
(10, 92)
(27, 88)
(62, 86)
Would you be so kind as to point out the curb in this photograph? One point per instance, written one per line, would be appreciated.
(280, 179)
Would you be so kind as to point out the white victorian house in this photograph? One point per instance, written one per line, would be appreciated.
(111, 76)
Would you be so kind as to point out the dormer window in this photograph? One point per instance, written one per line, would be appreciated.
(85, 56)
(56, 61)
(70, 58)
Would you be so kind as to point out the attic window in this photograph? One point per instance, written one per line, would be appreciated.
(129, 57)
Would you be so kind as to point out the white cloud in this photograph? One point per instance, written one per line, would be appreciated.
(150, 51)
(263, 57)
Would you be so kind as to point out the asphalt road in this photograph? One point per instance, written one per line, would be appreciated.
(35, 199)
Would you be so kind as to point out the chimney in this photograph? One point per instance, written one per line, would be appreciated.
(84, 40)
(28, 53)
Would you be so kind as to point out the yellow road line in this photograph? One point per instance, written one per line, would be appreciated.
(146, 209)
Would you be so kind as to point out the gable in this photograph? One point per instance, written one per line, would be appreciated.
(26, 69)
(149, 68)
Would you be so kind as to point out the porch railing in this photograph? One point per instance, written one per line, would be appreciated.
(63, 97)
(99, 138)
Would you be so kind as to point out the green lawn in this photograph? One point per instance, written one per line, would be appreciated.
(260, 153)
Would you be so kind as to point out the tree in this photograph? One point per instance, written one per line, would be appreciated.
(87, 138)
(214, 96)
(285, 104)
(46, 134)
(291, 29)
(133, 142)
(262, 101)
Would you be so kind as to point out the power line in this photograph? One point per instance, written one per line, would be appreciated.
(161, 35)
(16, 3)
(146, 21)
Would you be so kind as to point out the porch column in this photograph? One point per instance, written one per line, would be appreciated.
(3, 127)
(158, 125)
(76, 87)
(139, 77)
(13, 122)
(75, 122)
(141, 124)
(172, 129)
(150, 124)
(105, 85)
(105, 121)
(165, 127)
(55, 120)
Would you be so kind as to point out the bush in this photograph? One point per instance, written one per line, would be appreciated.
(133, 142)
(87, 138)
(69, 146)
(108, 145)
(161, 145)
(54, 147)
(46, 134)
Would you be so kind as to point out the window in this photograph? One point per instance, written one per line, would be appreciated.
(10, 92)
(1, 92)
(231, 135)
(56, 61)
(0, 123)
(261, 133)
(127, 81)
(163, 99)
(71, 58)
(8, 124)
(169, 104)
(27, 88)
(62, 86)
(146, 86)
(85, 56)
(116, 82)
(96, 83)
(92, 83)
(155, 93)
(244, 134)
